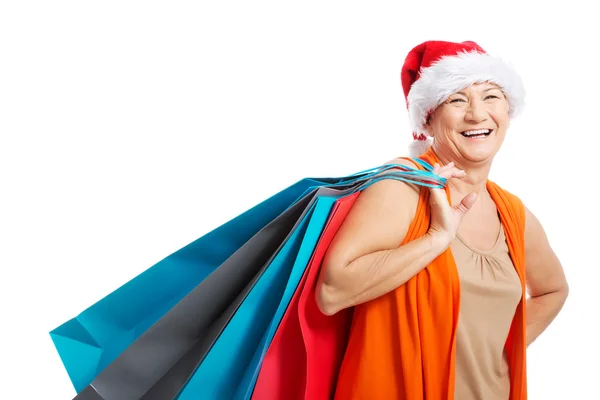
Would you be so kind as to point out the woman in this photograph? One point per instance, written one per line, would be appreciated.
(437, 277)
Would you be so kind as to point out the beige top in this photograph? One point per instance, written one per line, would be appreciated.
(490, 293)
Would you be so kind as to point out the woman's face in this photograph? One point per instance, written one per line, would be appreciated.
(471, 124)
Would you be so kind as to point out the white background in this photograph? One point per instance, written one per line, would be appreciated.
(129, 129)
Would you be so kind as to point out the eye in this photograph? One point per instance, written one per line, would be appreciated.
(491, 96)
(455, 100)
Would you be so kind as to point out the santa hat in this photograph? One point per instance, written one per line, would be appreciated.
(434, 70)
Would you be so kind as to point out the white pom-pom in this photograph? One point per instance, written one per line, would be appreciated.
(418, 147)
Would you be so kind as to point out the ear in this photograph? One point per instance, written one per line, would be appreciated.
(428, 129)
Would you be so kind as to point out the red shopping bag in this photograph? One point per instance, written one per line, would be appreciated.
(303, 360)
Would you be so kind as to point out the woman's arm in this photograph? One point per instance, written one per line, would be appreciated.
(365, 259)
(546, 282)
(374, 274)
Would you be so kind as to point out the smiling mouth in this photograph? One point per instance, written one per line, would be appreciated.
(479, 133)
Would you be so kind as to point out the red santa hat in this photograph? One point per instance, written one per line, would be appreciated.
(434, 70)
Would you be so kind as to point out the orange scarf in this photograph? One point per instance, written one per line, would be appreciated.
(402, 345)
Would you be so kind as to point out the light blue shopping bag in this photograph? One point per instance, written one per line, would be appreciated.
(94, 338)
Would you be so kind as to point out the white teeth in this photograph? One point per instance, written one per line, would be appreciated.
(477, 132)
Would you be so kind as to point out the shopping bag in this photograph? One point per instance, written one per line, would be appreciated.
(136, 369)
(93, 339)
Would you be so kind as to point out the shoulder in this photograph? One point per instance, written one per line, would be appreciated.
(402, 161)
(388, 199)
(535, 234)
(544, 270)
(529, 225)
(390, 196)
(392, 188)
(378, 220)
(407, 188)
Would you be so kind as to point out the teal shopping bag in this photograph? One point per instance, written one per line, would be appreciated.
(94, 338)
(169, 349)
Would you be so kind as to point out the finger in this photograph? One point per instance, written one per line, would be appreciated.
(467, 202)
(438, 196)
(449, 165)
(459, 173)
(450, 173)
(443, 168)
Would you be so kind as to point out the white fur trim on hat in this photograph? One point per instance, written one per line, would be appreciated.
(453, 73)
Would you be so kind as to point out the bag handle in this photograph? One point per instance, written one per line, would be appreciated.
(420, 177)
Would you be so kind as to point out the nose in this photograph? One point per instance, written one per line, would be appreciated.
(476, 112)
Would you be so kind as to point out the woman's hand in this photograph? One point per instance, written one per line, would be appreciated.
(446, 219)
